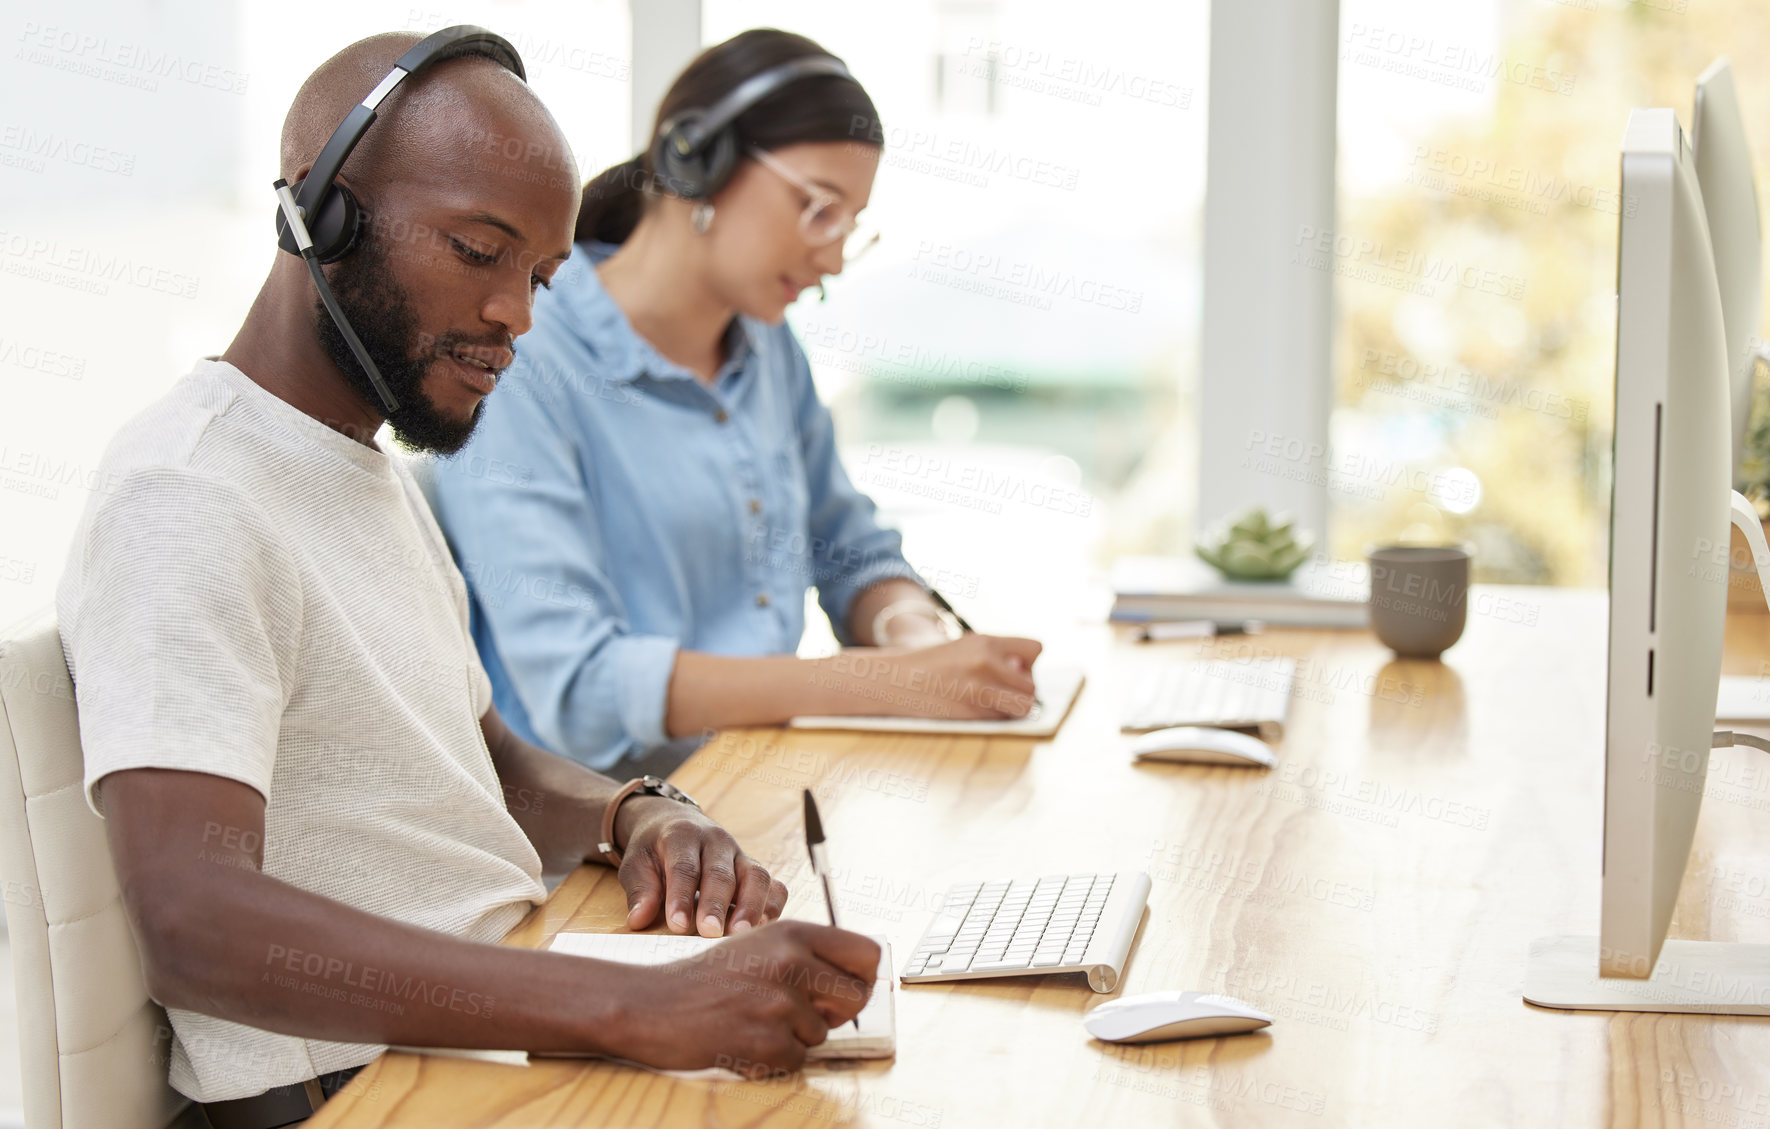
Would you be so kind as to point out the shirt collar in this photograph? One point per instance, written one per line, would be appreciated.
(624, 355)
(279, 412)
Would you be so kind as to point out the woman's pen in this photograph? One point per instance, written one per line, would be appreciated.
(820, 863)
(940, 602)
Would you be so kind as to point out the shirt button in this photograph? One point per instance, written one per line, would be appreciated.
(720, 416)
(755, 505)
(762, 599)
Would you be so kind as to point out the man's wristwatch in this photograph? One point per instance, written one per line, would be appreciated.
(648, 785)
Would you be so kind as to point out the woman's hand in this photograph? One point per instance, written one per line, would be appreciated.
(974, 677)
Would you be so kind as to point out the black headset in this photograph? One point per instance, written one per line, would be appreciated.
(696, 151)
(320, 219)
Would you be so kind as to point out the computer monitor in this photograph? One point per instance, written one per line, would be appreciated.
(1669, 496)
(1671, 507)
(1730, 200)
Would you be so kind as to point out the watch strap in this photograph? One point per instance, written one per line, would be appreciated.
(651, 786)
(606, 843)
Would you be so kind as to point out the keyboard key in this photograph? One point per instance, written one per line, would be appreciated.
(945, 925)
(999, 965)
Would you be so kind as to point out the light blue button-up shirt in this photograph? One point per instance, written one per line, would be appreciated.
(611, 509)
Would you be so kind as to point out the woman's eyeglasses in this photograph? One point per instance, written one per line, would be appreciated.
(825, 219)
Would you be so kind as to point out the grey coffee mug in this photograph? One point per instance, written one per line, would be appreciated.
(1419, 599)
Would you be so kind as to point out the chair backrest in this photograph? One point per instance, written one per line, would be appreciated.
(92, 1045)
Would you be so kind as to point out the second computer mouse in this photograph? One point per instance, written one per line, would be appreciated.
(1154, 1017)
(1201, 744)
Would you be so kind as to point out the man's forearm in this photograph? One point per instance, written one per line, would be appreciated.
(556, 801)
(258, 951)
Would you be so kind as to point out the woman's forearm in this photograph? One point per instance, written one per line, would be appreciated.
(976, 677)
(919, 623)
(721, 691)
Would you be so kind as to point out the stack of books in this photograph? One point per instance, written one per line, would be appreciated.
(1321, 593)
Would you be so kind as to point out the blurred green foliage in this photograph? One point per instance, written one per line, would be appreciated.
(1516, 387)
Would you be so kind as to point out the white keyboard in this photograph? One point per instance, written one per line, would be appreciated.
(1227, 693)
(1060, 923)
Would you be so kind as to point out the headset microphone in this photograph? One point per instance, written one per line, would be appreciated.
(304, 244)
(320, 219)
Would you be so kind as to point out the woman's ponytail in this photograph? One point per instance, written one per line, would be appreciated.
(612, 203)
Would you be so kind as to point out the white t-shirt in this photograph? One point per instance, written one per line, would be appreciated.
(253, 595)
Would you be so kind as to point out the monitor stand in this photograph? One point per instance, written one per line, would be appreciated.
(1694, 977)
(1745, 519)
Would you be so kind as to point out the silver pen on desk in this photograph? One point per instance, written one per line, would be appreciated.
(820, 862)
(1163, 630)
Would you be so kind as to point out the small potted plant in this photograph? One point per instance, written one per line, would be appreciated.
(1256, 547)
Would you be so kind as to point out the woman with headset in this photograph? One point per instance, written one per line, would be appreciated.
(655, 484)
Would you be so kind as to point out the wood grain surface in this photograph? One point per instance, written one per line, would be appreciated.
(1377, 892)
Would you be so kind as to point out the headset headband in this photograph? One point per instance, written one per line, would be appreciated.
(449, 43)
(697, 132)
(322, 222)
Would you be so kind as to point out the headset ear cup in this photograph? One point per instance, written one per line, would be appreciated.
(678, 173)
(719, 158)
(334, 229)
(701, 172)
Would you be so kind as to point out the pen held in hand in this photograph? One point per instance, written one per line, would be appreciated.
(941, 602)
(820, 863)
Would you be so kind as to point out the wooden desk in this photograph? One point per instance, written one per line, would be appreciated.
(1377, 892)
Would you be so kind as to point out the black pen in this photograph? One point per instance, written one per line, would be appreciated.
(820, 863)
(940, 602)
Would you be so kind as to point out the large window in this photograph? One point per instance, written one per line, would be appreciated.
(1010, 368)
(1476, 260)
(136, 157)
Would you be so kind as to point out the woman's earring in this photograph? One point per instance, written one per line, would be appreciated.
(701, 218)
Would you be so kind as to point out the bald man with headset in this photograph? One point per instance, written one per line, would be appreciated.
(320, 823)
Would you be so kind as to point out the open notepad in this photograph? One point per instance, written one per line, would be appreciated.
(1057, 690)
(877, 1037)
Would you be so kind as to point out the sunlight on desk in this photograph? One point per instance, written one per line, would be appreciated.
(1375, 892)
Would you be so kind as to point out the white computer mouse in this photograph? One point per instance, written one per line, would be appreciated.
(1202, 744)
(1153, 1017)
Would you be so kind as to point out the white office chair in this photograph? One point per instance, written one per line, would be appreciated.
(92, 1045)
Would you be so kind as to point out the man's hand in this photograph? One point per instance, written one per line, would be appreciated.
(753, 1004)
(670, 853)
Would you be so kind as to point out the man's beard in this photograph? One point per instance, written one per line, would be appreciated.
(381, 312)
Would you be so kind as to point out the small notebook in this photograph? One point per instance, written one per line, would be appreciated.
(1057, 690)
(877, 1037)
